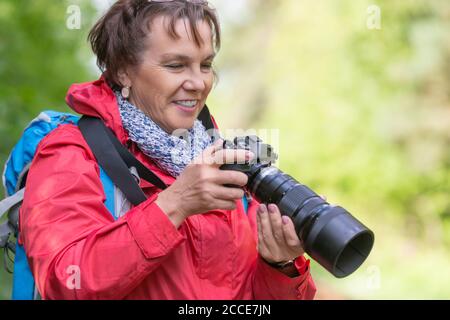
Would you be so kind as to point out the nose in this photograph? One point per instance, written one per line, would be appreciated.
(195, 81)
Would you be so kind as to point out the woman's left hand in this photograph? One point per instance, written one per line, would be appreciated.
(277, 239)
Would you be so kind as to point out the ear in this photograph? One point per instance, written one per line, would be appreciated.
(124, 78)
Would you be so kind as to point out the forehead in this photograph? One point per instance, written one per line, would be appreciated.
(160, 41)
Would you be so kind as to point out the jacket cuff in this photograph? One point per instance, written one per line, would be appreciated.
(302, 265)
(283, 286)
(154, 233)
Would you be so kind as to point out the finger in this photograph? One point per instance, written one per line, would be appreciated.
(290, 235)
(224, 205)
(266, 228)
(262, 248)
(258, 224)
(230, 177)
(227, 193)
(207, 154)
(232, 156)
(217, 145)
(276, 224)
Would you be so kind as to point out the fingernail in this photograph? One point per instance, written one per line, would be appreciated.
(272, 208)
(285, 219)
(249, 155)
(262, 209)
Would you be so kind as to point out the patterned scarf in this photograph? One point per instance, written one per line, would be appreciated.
(171, 153)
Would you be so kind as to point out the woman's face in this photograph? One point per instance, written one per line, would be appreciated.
(175, 76)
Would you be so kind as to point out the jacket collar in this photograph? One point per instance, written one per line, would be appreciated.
(97, 99)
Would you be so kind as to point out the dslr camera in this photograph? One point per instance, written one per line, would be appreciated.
(329, 234)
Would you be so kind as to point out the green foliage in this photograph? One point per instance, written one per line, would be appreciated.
(40, 59)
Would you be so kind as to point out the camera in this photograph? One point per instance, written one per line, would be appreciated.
(329, 234)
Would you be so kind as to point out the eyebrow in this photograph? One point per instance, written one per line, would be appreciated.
(174, 56)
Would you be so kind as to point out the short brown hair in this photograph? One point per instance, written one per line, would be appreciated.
(117, 39)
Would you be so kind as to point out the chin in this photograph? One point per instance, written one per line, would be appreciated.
(183, 125)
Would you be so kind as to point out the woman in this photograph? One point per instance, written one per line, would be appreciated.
(191, 241)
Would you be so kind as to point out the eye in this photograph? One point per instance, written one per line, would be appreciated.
(207, 66)
(174, 66)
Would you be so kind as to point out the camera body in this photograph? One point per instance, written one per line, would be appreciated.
(329, 234)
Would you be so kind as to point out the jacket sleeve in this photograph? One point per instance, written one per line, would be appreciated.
(74, 247)
(271, 284)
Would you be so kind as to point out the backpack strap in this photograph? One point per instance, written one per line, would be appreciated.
(116, 160)
(205, 118)
(112, 156)
(131, 161)
(10, 226)
(11, 201)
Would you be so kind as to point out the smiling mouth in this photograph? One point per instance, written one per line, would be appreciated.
(186, 105)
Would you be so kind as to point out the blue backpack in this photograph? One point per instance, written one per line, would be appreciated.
(14, 178)
(120, 172)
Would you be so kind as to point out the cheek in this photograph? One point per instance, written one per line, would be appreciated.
(168, 86)
(209, 82)
(155, 85)
(158, 95)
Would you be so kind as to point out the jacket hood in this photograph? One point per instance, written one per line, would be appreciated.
(97, 99)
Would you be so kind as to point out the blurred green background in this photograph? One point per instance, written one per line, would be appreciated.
(363, 113)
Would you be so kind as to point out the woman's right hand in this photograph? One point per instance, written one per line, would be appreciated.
(200, 187)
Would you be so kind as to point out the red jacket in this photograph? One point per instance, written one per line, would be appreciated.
(68, 232)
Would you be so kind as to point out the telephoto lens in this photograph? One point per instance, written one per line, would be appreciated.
(329, 234)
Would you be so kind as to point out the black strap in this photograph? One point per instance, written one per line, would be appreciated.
(143, 171)
(131, 161)
(116, 160)
(95, 134)
(205, 118)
